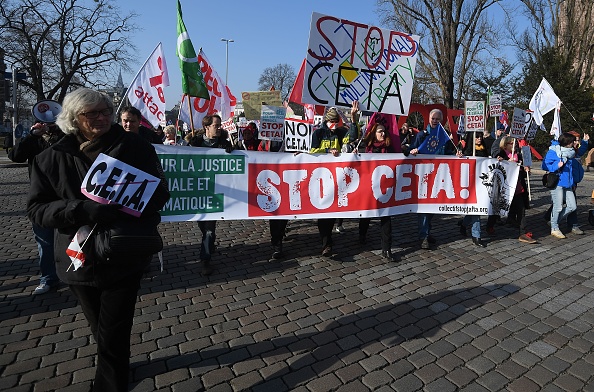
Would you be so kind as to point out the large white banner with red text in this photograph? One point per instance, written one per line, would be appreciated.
(221, 100)
(209, 184)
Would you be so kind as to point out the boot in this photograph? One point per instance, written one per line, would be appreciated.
(387, 254)
(206, 267)
(277, 251)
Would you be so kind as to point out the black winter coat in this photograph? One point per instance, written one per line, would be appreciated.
(56, 177)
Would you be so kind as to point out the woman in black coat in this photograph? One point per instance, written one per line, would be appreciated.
(105, 287)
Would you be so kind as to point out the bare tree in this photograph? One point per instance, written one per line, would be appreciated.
(567, 25)
(62, 44)
(281, 76)
(454, 36)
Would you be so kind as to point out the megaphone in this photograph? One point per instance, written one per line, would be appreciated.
(46, 111)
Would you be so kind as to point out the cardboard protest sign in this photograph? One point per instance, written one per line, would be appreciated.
(348, 61)
(252, 102)
(495, 105)
(208, 185)
(474, 116)
(518, 127)
(298, 135)
(272, 121)
(112, 181)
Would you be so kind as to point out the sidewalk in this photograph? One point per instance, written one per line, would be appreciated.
(510, 317)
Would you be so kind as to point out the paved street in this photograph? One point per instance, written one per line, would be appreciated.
(510, 317)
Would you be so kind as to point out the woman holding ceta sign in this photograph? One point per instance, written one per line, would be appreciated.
(106, 287)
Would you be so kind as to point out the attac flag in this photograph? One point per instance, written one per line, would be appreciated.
(149, 83)
(543, 101)
(192, 78)
(433, 143)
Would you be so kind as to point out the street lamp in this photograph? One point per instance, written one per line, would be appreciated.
(226, 58)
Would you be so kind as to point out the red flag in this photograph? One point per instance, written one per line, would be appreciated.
(296, 91)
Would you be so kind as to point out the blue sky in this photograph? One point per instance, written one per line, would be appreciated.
(266, 33)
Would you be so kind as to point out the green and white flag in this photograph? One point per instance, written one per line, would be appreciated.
(192, 79)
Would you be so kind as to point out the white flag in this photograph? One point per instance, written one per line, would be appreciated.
(146, 91)
(543, 101)
(221, 101)
(556, 127)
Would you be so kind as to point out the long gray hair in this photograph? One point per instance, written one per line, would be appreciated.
(75, 103)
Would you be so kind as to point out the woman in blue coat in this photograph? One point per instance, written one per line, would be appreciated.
(559, 159)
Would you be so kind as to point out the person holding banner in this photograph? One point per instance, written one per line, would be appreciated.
(278, 227)
(249, 141)
(329, 138)
(213, 136)
(510, 151)
(443, 146)
(474, 221)
(378, 140)
(106, 288)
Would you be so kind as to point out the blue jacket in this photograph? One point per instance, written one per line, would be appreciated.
(551, 164)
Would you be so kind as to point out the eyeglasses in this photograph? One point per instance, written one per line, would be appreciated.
(95, 113)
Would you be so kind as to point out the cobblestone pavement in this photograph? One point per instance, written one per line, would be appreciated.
(510, 317)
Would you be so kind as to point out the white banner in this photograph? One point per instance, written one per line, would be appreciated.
(146, 91)
(349, 61)
(221, 101)
(209, 184)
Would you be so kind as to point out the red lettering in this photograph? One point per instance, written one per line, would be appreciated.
(332, 53)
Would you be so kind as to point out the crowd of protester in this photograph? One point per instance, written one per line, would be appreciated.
(107, 288)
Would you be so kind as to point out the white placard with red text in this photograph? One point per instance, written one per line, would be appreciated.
(474, 116)
(112, 181)
(272, 122)
(209, 184)
(495, 105)
(518, 127)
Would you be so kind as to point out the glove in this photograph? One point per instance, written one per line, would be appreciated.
(90, 212)
(229, 148)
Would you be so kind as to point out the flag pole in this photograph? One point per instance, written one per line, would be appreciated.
(136, 76)
(190, 111)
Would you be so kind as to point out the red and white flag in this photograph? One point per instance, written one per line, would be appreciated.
(221, 100)
(74, 250)
(146, 91)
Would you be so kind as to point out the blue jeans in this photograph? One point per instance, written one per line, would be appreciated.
(572, 218)
(45, 245)
(559, 211)
(424, 221)
(474, 221)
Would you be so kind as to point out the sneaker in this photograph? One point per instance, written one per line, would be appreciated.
(527, 238)
(339, 229)
(557, 233)
(42, 289)
(577, 230)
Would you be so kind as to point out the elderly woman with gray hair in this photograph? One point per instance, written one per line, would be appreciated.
(105, 287)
